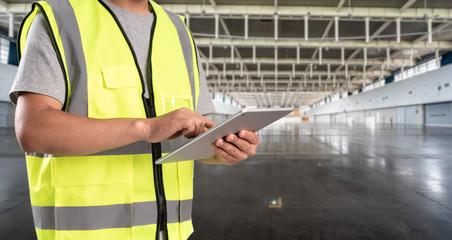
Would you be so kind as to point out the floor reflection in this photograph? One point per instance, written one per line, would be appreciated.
(336, 181)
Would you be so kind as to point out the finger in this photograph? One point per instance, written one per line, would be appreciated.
(199, 128)
(242, 144)
(208, 123)
(231, 149)
(249, 136)
(229, 159)
(189, 131)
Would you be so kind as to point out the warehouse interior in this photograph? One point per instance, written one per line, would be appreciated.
(365, 154)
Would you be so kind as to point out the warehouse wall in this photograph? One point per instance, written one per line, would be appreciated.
(8, 73)
(397, 102)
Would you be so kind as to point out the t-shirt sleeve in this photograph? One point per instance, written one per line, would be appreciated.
(205, 105)
(39, 69)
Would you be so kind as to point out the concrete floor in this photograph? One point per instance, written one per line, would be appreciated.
(334, 182)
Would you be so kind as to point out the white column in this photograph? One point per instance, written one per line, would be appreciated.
(232, 53)
(306, 28)
(365, 56)
(320, 55)
(367, 21)
(11, 25)
(233, 81)
(224, 69)
(276, 68)
(346, 70)
(298, 54)
(342, 56)
(241, 69)
(398, 29)
(437, 57)
(276, 27)
(254, 54)
(382, 72)
(336, 29)
(217, 20)
(246, 27)
(429, 23)
(388, 57)
(364, 75)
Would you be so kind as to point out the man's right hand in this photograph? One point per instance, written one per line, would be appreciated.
(174, 124)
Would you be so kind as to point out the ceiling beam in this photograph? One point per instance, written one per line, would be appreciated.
(353, 44)
(290, 61)
(297, 98)
(267, 10)
(271, 73)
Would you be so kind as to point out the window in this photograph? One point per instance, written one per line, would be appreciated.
(416, 70)
(4, 50)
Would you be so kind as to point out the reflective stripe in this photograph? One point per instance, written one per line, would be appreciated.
(44, 217)
(185, 41)
(91, 218)
(141, 147)
(144, 213)
(41, 155)
(74, 56)
(185, 210)
(111, 216)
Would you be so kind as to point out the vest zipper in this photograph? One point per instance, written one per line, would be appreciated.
(149, 107)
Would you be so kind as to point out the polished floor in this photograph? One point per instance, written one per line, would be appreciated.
(308, 181)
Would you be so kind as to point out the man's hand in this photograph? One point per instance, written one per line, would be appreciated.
(174, 124)
(234, 148)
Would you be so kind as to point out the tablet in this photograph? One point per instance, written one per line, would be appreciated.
(247, 119)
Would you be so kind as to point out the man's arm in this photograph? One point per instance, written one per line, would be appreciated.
(42, 127)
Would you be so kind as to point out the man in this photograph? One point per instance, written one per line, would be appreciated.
(101, 87)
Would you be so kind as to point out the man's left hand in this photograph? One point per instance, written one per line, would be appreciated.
(235, 148)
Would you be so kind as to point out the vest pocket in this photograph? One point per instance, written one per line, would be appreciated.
(115, 93)
(92, 170)
(174, 102)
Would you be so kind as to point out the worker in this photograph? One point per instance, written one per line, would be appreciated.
(103, 88)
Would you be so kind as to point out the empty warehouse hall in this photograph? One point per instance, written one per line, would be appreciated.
(201, 120)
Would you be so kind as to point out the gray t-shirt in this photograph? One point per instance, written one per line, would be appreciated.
(40, 72)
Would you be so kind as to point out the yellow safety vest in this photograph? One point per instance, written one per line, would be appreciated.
(120, 193)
